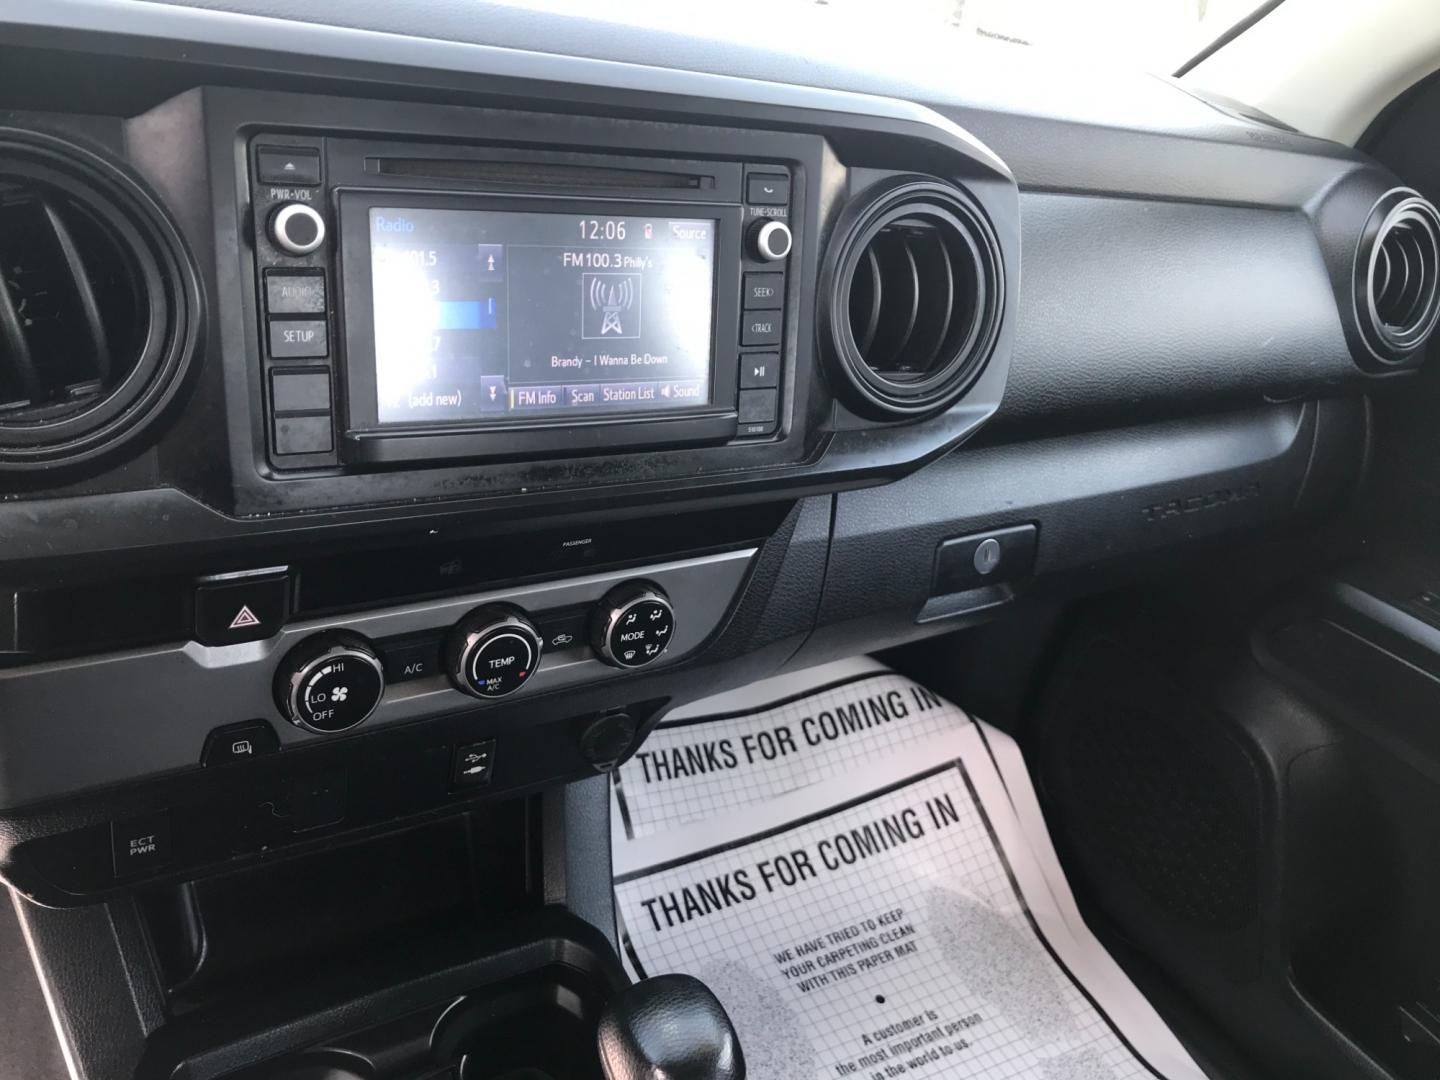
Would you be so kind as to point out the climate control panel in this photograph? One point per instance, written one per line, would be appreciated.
(333, 681)
(360, 672)
(447, 699)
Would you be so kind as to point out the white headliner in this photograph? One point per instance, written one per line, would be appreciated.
(1327, 67)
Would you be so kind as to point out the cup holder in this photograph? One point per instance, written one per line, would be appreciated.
(319, 1067)
(537, 1029)
(536, 1026)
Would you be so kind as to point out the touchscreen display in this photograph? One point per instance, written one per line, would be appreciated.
(497, 315)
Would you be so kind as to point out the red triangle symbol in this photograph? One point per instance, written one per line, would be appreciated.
(243, 618)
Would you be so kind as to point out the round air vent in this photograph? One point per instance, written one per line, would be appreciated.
(913, 289)
(99, 304)
(1397, 276)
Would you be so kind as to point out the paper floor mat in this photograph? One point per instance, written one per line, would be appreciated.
(861, 874)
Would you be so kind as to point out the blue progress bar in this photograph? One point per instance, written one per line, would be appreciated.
(467, 314)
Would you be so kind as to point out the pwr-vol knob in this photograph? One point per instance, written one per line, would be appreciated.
(329, 683)
(632, 625)
(492, 652)
(297, 228)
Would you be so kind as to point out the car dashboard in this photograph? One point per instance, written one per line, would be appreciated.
(401, 424)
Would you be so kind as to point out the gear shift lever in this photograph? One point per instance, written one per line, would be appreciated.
(670, 1027)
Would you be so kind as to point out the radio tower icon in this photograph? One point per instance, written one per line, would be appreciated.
(612, 300)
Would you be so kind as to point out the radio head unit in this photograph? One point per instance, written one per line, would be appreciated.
(474, 315)
(479, 306)
(502, 314)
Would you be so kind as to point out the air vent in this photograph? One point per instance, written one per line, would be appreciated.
(99, 304)
(1397, 276)
(914, 291)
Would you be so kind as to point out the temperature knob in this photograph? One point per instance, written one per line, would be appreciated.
(297, 228)
(492, 652)
(633, 625)
(329, 683)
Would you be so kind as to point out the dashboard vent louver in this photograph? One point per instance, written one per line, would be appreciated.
(1397, 276)
(913, 283)
(98, 304)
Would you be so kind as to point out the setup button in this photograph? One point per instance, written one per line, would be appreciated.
(299, 338)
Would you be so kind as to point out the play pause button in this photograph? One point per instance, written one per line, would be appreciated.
(759, 370)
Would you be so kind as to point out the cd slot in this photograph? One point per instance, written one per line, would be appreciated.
(535, 176)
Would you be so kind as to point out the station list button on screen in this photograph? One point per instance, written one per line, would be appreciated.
(535, 397)
(583, 395)
(291, 338)
(629, 393)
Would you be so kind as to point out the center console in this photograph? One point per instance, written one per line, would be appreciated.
(500, 427)
(485, 432)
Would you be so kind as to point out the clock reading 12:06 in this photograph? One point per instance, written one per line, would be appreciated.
(602, 229)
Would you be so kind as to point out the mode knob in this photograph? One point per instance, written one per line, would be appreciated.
(492, 652)
(771, 241)
(633, 625)
(297, 228)
(329, 683)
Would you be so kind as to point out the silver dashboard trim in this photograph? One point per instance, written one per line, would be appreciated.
(69, 725)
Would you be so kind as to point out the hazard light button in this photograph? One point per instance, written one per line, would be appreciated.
(233, 608)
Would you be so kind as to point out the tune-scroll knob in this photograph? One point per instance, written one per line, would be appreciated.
(329, 683)
(771, 241)
(492, 652)
(297, 228)
(632, 625)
